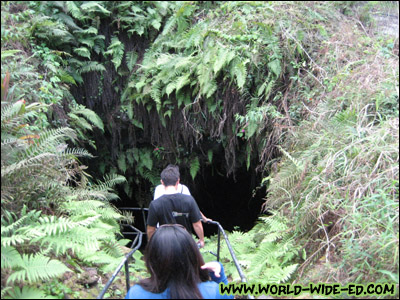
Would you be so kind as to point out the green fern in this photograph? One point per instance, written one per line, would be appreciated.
(94, 7)
(82, 51)
(26, 293)
(266, 251)
(89, 115)
(194, 167)
(90, 66)
(36, 267)
(116, 50)
(35, 169)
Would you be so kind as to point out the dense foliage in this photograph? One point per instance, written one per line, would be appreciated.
(185, 82)
(54, 218)
(305, 93)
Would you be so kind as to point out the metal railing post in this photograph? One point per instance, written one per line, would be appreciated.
(127, 276)
(219, 243)
(138, 242)
(220, 229)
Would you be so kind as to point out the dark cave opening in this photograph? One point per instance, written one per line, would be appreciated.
(234, 202)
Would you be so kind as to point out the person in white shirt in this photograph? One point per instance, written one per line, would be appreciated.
(160, 190)
(182, 189)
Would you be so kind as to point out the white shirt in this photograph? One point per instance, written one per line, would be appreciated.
(160, 190)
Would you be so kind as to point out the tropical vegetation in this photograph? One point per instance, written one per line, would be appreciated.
(98, 95)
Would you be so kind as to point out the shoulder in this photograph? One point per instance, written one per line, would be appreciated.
(159, 191)
(185, 190)
(137, 292)
(210, 290)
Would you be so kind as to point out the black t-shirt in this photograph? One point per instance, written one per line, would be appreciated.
(174, 209)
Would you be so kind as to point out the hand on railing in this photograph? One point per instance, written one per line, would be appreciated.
(206, 220)
(200, 244)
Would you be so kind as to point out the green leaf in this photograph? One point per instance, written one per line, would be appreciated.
(156, 24)
(82, 51)
(94, 6)
(27, 293)
(210, 155)
(132, 57)
(8, 53)
(194, 167)
(37, 267)
(275, 67)
(137, 123)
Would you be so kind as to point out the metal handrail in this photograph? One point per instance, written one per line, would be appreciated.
(239, 269)
(220, 229)
(138, 243)
(142, 209)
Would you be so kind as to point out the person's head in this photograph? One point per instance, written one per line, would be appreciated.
(170, 175)
(173, 260)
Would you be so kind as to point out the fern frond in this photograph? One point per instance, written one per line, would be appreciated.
(109, 182)
(94, 7)
(48, 140)
(194, 167)
(116, 50)
(280, 275)
(26, 292)
(113, 249)
(90, 115)
(91, 66)
(69, 153)
(14, 240)
(296, 162)
(33, 162)
(74, 10)
(82, 51)
(9, 257)
(238, 70)
(80, 122)
(35, 267)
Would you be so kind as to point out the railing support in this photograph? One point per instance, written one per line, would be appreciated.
(138, 243)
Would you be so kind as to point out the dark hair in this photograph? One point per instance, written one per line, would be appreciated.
(173, 167)
(173, 260)
(170, 175)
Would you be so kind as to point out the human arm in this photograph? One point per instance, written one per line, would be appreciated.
(150, 231)
(205, 219)
(152, 220)
(216, 271)
(198, 228)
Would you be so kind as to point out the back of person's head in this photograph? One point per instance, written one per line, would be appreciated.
(170, 175)
(173, 167)
(173, 260)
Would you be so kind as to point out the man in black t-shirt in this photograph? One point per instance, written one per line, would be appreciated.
(174, 208)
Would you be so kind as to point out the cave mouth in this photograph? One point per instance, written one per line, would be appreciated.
(234, 201)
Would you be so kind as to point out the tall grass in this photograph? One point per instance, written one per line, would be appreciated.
(338, 180)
